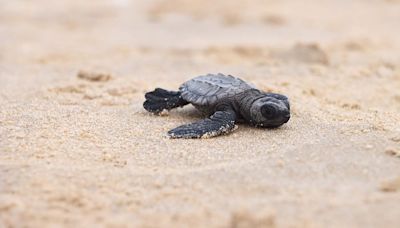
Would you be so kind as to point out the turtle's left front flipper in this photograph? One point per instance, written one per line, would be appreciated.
(221, 122)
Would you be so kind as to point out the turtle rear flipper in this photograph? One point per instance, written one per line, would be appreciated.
(160, 99)
(221, 122)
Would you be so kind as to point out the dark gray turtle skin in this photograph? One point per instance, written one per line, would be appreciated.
(225, 100)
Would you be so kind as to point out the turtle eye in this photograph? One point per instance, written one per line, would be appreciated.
(268, 111)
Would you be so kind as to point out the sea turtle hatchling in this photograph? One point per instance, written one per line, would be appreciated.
(225, 100)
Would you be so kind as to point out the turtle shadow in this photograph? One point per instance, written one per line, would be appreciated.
(243, 126)
(189, 112)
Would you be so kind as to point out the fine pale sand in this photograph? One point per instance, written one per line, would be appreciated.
(78, 150)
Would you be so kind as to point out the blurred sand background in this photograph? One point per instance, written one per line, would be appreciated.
(82, 152)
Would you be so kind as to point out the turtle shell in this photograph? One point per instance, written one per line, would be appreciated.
(207, 90)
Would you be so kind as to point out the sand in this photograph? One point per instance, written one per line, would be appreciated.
(78, 150)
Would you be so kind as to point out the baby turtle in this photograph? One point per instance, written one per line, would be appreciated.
(225, 100)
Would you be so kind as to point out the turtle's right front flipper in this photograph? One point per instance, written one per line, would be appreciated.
(221, 122)
(160, 99)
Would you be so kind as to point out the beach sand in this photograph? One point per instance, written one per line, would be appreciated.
(77, 149)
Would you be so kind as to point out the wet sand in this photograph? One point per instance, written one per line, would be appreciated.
(78, 150)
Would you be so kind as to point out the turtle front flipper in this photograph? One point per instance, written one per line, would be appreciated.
(221, 122)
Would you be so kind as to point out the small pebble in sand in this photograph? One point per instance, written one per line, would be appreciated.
(355, 46)
(230, 19)
(273, 20)
(307, 53)
(393, 152)
(20, 135)
(247, 219)
(94, 76)
(391, 185)
(395, 138)
(107, 157)
(369, 146)
(351, 106)
(280, 163)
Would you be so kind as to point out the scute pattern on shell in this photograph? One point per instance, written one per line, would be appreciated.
(208, 89)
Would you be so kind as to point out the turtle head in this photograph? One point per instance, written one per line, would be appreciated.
(270, 111)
